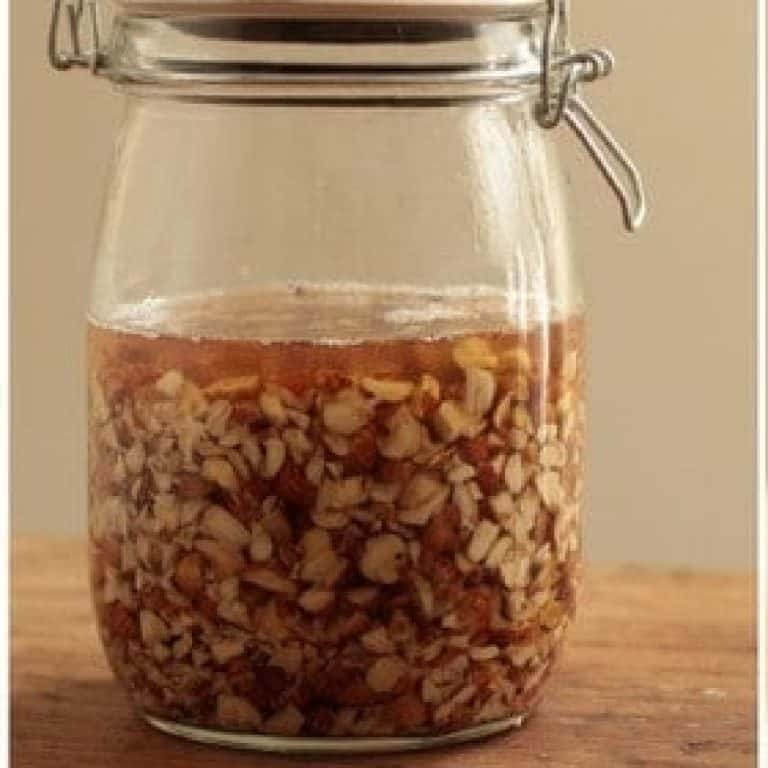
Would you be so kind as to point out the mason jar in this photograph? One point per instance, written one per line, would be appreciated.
(336, 365)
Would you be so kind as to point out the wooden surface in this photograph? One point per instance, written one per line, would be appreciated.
(660, 672)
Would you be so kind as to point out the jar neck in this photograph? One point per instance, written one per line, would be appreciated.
(232, 58)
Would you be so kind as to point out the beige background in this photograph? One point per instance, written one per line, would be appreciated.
(671, 309)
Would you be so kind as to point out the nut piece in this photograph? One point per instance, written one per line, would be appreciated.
(443, 679)
(378, 641)
(465, 500)
(546, 433)
(345, 416)
(224, 527)
(484, 652)
(274, 521)
(226, 560)
(236, 712)
(451, 422)
(444, 712)
(297, 443)
(315, 541)
(274, 457)
(426, 595)
(503, 506)
(272, 408)
(480, 391)
(323, 567)
(423, 497)
(343, 493)
(549, 488)
(474, 352)
(513, 473)
(224, 649)
(383, 557)
(170, 384)
(287, 721)
(521, 418)
(514, 572)
(220, 471)
(268, 580)
(337, 444)
(482, 540)
(235, 612)
(499, 552)
(218, 418)
(502, 415)
(422, 487)
(333, 520)
(153, 628)
(240, 387)
(316, 600)
(404, 438)
(385, 673)
(387, 390)
(552, 455)
(261, 544)
(252, 452)
(314, 468)
(190, 574)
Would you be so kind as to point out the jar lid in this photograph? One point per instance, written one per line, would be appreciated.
(349, 9)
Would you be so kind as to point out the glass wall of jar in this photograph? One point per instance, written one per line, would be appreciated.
(336, 379)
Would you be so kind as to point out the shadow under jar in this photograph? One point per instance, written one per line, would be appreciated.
(336, 364)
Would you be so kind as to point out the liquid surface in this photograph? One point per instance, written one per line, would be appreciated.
(333, 315)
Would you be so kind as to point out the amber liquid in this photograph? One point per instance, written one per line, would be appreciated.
(227, 624)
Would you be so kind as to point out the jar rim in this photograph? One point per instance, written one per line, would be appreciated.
(334, 9)
(289, 59)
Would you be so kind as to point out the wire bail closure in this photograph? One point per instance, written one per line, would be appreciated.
(75, 57)
(562, 69)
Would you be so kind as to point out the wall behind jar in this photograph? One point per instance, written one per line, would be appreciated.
(671, 309)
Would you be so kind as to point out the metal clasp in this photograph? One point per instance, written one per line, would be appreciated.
(92, 57)
(562, 69)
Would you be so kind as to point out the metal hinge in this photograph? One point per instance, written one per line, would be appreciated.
(562, 70)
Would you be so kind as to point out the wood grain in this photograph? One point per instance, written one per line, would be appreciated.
(660, 672)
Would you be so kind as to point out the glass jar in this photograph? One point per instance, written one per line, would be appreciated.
(336, 367)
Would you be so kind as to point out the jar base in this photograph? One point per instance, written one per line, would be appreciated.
(324, 745)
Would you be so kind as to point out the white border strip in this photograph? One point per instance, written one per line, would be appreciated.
(760, 452)
(5, 414)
